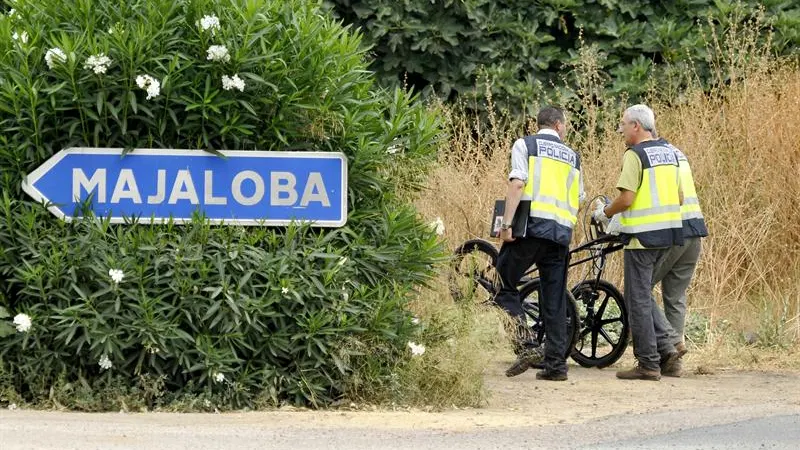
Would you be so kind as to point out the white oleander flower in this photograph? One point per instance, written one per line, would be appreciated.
(394, 149)
(209, 23)
(233, 82)
(284, 291)
(105, 363)
(345, 294)
(20, 37)
(98, 63)
(53, 56)
(152, 348)
(12, 12)
(438, 226)
(116, 275)
(219, 377)
(150, 84)
(415, 321)
(23, 322)
(342, 261)
(218, 53)
(416, 349)
(113, 29)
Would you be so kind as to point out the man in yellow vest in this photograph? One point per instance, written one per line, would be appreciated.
(650, 203)
(545, 185)
(676, 269)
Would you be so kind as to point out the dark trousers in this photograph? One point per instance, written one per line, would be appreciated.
(514, 260)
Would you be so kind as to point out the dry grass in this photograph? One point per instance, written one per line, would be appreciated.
(460, 341)
(743, 141)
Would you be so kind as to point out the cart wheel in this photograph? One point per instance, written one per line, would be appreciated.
(603, 336)
(472, 275)
(530, 304)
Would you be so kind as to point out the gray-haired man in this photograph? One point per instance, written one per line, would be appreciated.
(649, 200)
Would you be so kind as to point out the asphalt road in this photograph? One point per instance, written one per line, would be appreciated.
(774, 432)
(754, 426)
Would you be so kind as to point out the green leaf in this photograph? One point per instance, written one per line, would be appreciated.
(132, 101)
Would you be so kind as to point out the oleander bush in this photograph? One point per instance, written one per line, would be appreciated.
(94, 315)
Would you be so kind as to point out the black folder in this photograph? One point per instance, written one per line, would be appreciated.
(519, 225)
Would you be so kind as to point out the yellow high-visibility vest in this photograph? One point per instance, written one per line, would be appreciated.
(694, 224)
(654, 218)
(553, 188)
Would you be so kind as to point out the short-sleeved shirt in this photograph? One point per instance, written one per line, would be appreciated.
(630, 179)
(519, 162)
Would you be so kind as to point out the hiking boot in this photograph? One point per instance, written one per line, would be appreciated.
(671, 363)
(525, 361)
(673, 369)
(639, 373)
(551, 376)
(680, 347)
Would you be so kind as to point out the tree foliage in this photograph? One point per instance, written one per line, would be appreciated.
(451, 47)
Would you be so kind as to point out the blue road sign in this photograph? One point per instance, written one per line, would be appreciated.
(155, 185)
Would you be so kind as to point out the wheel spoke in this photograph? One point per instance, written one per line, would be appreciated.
(607, 337)
(603, 304)
(605, 322)
(594, 344)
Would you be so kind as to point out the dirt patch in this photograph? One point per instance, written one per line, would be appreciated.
(594, 393)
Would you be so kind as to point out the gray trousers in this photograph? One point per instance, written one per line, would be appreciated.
(650, 331)
(674, 271)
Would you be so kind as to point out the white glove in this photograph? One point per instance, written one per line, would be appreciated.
(597, 212)
(614, 226)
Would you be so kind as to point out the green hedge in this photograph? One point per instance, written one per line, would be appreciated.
(450, 46)
(243, 316)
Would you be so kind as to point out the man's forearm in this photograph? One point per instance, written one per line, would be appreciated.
(513, 197)
(623, 201)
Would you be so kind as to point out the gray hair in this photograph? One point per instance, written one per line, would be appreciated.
(644, 115)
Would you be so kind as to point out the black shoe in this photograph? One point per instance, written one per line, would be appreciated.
(525, 361)
(551, 376)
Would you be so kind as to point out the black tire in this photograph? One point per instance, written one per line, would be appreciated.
(473, 276)
(530, 304)
(603, 337)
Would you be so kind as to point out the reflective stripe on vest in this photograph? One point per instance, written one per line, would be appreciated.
(553, 181)
(657, 204)
(691, 204)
